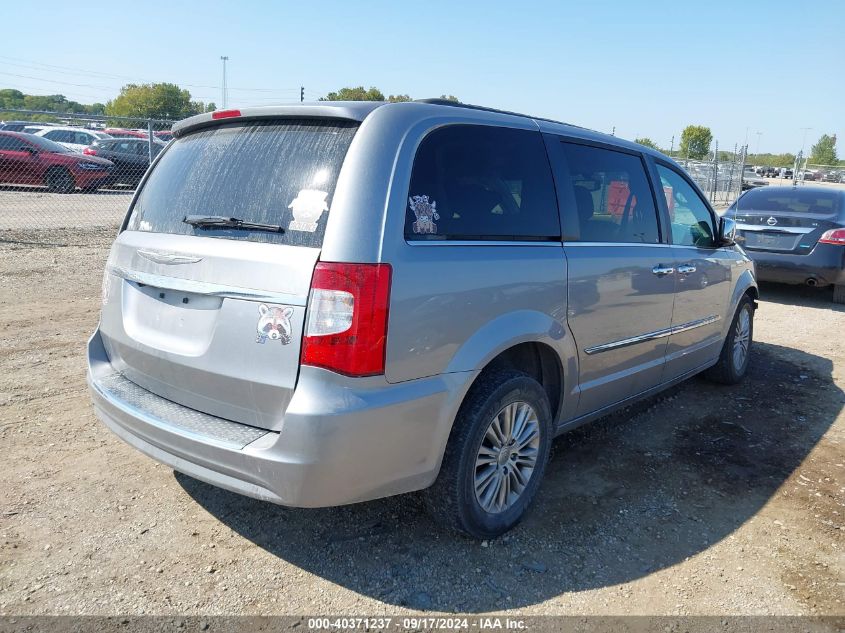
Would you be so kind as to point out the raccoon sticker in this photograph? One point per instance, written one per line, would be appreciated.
(273, 324)
(425, 211)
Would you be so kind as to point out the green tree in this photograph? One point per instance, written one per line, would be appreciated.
(647, 142)
(824, 151)
(775, 160)
(355, 94)
(159, 101)
(398, 98)
(450, 98)
(695, 141)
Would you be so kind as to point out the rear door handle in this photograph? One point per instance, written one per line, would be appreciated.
(686, 269)
(662, 271)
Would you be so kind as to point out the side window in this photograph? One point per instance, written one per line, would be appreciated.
(10, 144)
(692, 222)
(55, 135)
(83, 139)
(474, 182)
(613, 200)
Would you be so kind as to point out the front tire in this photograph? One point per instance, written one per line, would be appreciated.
(496, 456)
(839, 293)
(736, 351)
(60, 180)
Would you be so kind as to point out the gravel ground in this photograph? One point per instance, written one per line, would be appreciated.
(22, 207)
(703, 500)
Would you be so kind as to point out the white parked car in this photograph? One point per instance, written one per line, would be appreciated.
(35, 128)
(74, 138)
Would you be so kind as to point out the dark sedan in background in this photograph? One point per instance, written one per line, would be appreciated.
(795, 235)
(131, 157)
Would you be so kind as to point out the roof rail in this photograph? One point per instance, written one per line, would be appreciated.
(458, 104)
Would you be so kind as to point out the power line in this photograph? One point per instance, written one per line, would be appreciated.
(79, 71)
(55, 81)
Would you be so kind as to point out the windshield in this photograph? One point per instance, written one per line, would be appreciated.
(792, 201)
(279, 172)
(45, 144)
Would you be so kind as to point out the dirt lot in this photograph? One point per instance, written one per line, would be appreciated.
(704, 500)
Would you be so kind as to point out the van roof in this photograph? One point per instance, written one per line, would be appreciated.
(359, 110)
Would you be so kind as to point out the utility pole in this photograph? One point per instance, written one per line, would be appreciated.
(672, 146)
(224, 59)
(613, 133)
(759, 134)
(301, 94)
(804, 140)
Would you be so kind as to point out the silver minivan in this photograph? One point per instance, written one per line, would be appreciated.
(323, 304)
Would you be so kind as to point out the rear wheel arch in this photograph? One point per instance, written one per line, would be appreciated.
(539, 361)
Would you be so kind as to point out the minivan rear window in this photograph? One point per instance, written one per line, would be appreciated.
(281, 172)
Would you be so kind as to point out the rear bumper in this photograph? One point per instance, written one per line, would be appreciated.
(342, 440)
(825, 263)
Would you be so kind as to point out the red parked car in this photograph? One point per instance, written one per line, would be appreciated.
(117, 132)
(26, 159)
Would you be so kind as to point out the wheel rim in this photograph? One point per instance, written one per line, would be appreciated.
(507, 457)
(742, 338)
(60, 181)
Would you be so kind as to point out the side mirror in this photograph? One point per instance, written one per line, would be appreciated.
(32, 150)
(727, 231)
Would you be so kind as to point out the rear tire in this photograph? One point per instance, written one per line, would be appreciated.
(495, 458)
(60, 180)
(839, 293)
(736, 350)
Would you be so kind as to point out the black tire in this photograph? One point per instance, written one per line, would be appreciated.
(452, 500)
(60, 180)
(839, 293)
(726, 371)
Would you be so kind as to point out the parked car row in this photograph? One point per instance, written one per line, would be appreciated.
(60, 159)
(773, 172)
(820, 175)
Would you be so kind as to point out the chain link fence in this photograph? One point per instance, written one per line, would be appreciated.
(71, 171)
(720, 180)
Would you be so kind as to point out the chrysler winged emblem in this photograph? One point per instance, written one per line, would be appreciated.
(168, 258)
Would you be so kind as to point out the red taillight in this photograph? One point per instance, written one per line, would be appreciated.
(346, 325)
(225, 114)
(833, 236)
(90, 151)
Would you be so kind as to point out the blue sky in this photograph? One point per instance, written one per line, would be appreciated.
(648, 68)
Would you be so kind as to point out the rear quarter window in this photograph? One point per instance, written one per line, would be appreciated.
(474, 182)
(279, 172)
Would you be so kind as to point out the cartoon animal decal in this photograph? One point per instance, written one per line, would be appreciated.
(425, 212)
(307, 208)
(273, 324)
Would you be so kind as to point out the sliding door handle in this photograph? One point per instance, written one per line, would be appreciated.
(662, 271)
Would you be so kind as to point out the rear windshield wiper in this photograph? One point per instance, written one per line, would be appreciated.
(212, 221)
